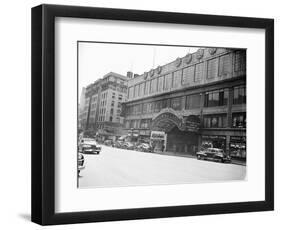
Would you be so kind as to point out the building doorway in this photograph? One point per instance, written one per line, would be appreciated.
(182, 141)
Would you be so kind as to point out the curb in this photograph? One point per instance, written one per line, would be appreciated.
(235, 162)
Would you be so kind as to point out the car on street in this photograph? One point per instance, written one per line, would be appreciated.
(117, 144)
(81, 162)
(215, 154)
(144, 147)
(128, 145)
(89, 146)
(108, 142)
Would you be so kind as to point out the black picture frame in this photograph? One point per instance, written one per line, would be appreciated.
(43, 113)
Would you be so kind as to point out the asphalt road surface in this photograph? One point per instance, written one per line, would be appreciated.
(119, 167)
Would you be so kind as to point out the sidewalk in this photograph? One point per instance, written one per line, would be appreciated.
(189, 155)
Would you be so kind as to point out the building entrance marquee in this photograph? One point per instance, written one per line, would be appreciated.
(167, 119)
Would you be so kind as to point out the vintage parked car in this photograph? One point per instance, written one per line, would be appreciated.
(117, 144)
(81, 162)
(213, 154)
(89, 146)
(108, 143)
(144, 147)
(128, 145)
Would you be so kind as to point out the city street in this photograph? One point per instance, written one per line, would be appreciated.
(119, 167)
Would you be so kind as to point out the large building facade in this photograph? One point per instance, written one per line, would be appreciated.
(103, 103)
(194, 101)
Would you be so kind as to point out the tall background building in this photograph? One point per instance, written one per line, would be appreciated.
(103, 103)
(194, 101)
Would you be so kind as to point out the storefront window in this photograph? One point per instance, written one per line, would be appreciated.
(237, 147)
(239, 95)
(212, 68)
(239, 120)
(213, 142)
(188, 75)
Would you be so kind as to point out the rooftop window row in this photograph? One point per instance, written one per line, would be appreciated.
(215, 68)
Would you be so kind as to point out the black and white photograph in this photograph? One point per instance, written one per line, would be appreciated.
(154, 114)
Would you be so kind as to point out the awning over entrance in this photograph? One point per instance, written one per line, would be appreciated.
(165, 125)
(167, 119)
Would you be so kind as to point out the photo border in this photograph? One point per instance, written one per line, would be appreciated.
(43, 114)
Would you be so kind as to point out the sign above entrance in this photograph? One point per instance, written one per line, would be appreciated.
(192, 123)
(157, 135)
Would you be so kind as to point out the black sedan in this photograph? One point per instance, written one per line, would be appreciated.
(89, 146)
(213, 154)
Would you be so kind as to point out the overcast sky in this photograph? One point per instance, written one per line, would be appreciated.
(98, 59)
